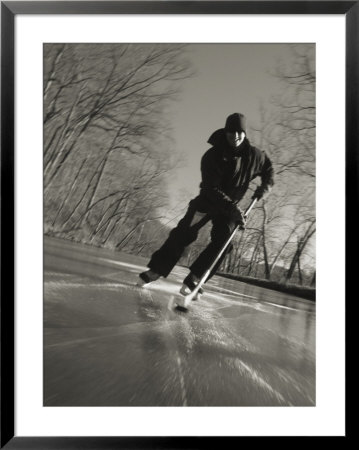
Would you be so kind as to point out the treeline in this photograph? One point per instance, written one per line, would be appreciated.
(107, 149)
(108, 156)
(279, 243)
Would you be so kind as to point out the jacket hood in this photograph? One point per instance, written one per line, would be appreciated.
(218, 138)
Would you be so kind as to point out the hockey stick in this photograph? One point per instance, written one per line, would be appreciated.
(189, 297)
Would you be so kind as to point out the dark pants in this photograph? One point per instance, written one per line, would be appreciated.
(186, 232)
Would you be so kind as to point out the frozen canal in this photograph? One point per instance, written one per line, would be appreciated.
(110, 343)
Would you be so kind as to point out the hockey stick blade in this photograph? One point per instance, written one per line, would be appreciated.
(183, 302)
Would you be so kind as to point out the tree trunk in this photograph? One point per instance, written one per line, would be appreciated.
(312, 283)
(301, 246)
(300, 272)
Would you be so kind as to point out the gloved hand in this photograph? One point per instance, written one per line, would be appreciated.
(259, 193)
(237, 216)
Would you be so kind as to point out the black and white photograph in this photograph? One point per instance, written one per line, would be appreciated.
(179, 220)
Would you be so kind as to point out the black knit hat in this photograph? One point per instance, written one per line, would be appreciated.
(235, 122)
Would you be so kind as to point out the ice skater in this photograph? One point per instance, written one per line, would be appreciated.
(227, 169)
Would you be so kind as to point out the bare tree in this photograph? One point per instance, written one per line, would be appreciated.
(302, 242)
(276, 240)
(107, 146)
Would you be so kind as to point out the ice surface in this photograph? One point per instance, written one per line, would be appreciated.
(110, 343)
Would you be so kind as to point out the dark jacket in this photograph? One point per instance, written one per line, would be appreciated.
(226, 173)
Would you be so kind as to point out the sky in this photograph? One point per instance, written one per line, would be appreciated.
(228, 78)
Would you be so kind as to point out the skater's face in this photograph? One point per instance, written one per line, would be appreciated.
(235, 139)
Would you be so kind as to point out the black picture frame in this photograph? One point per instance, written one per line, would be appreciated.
(9, 10)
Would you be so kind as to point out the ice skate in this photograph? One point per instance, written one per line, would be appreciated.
(185, 290)
(189, 284)
(145, 278)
